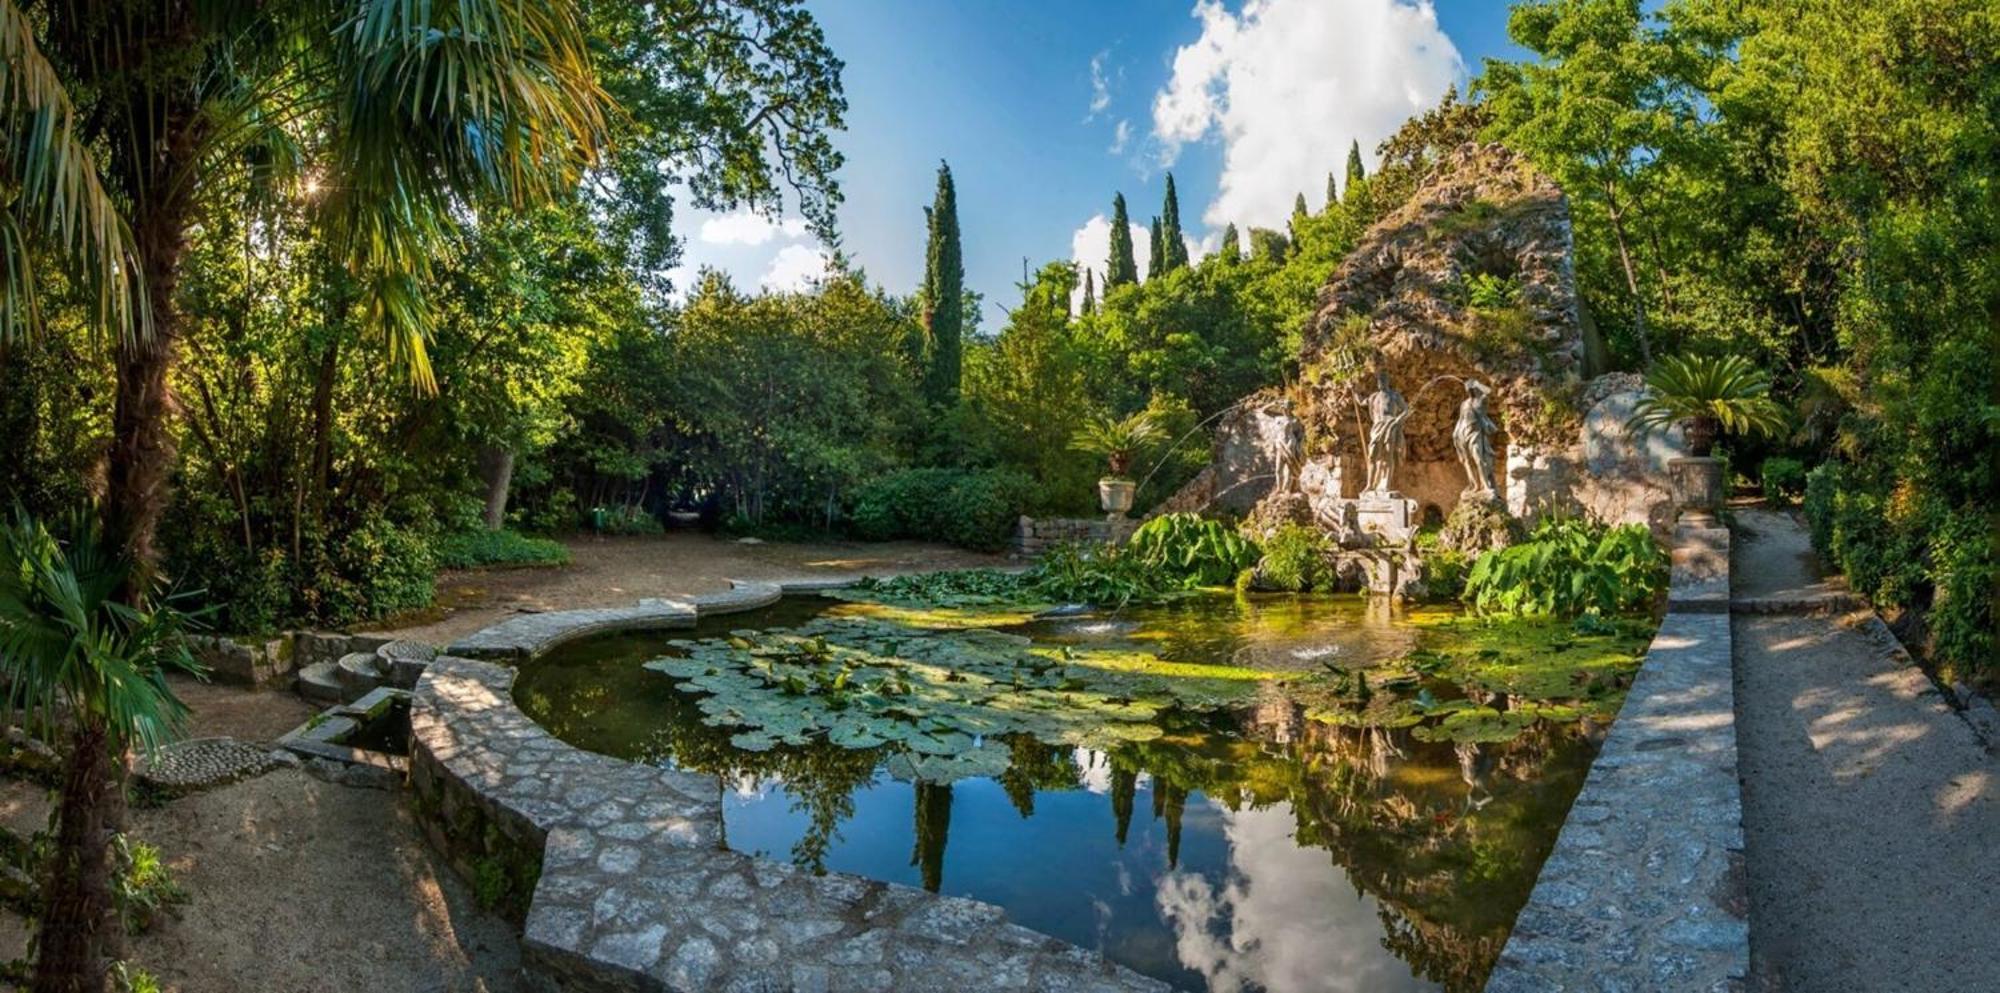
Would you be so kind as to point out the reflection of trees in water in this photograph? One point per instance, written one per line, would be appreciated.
(1447, 838)
(933, 827)
(1037, 767)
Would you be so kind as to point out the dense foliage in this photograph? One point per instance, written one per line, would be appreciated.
(1191, 550)
(1807, 183)
(1568, 567)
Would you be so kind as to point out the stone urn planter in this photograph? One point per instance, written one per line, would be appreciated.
(1698, 488)
(1115, 495)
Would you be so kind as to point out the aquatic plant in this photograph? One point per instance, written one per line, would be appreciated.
(1568, 567)
(1190, 550)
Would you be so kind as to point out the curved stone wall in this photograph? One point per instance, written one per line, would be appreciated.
(618, 874)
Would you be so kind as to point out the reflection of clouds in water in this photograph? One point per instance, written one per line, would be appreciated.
(1096, 770)
(1315, 651)
(1287, 919)
(747, 787)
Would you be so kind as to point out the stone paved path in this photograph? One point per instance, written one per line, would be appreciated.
(1871, 811)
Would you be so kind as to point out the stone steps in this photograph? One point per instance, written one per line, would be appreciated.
(320, 683)
(359, 672)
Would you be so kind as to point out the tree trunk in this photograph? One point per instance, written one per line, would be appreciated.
(81, 934)
(1631, 277)
(496, 467)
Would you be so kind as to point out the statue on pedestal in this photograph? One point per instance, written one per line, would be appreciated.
(1472, 437)
(1387, 410)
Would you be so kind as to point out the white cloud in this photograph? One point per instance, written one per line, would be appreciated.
(1100, 85)
(1120, 137)
(795, 268)
(1287, 84)
(1090, 247)
(748, 228)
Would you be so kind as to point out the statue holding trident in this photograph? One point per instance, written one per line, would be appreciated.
(1386, 413)
(1472, 436)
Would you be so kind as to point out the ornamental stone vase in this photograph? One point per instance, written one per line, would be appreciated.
(1115, 495)
(1698, 488)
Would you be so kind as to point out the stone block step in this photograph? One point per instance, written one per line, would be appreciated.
(320, 682)
(404, 661)
(357, 673)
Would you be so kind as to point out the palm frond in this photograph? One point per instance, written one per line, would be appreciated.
(69, 646)
(1731, 389)
(59, 198)
(439, 107)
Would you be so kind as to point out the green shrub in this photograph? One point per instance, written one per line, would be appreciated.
(1822, 486)
(481, 549)
(1569, 567)
(1966, 566)
(1101, 575)
(144, 886)
(1445, 566)
(1295, 559)
(1190, 550)
(974, 509)
(1784, 479)
(377, 569)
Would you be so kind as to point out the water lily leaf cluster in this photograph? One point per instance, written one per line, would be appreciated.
(942, 699)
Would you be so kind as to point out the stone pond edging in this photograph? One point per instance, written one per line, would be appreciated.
(617, 873)
(1645, 889)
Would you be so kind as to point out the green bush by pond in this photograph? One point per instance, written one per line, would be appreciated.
(967, 507)
(482, 548)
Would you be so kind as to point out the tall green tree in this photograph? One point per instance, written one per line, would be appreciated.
(1356, 172)
(1232, 249)
(1156, 250)
(1089, 305)
(1121, 269)
(1173, 241)
(1332, 192)
(944, 295)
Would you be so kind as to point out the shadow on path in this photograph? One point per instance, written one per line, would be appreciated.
(1871, 811)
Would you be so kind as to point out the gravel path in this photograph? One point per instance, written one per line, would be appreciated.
(1871, 810)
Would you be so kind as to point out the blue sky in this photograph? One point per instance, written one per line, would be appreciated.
(1246, 103)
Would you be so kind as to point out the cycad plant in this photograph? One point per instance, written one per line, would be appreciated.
(1119, 441)
(1707, 396)
(76, 657)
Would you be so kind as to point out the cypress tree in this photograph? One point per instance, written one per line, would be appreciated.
(1120, 269)
(1355, 171)
(1332, 192)
(1299, 215)
(1154, 259)
(1232, 248)
(1171, 239)
(944, 295)
(1089, 305)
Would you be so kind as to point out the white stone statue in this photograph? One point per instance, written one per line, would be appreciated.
(1283, 439)
(1472, 436)
(1386, 413)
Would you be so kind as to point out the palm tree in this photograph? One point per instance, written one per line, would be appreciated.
(1707, 396)
(72, 653)
(1119, 441)
(121, 118)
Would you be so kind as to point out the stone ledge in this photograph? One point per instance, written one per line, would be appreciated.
(1644, 889)
(529, 635)
(618, 876)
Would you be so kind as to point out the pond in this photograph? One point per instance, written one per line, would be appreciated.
(1264, 793)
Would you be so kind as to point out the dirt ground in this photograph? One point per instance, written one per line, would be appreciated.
(300, 885)
(609, 572)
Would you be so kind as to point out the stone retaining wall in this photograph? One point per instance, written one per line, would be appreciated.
(1645, 888)
(617, 871)
(262, 663)
(1035, 535)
